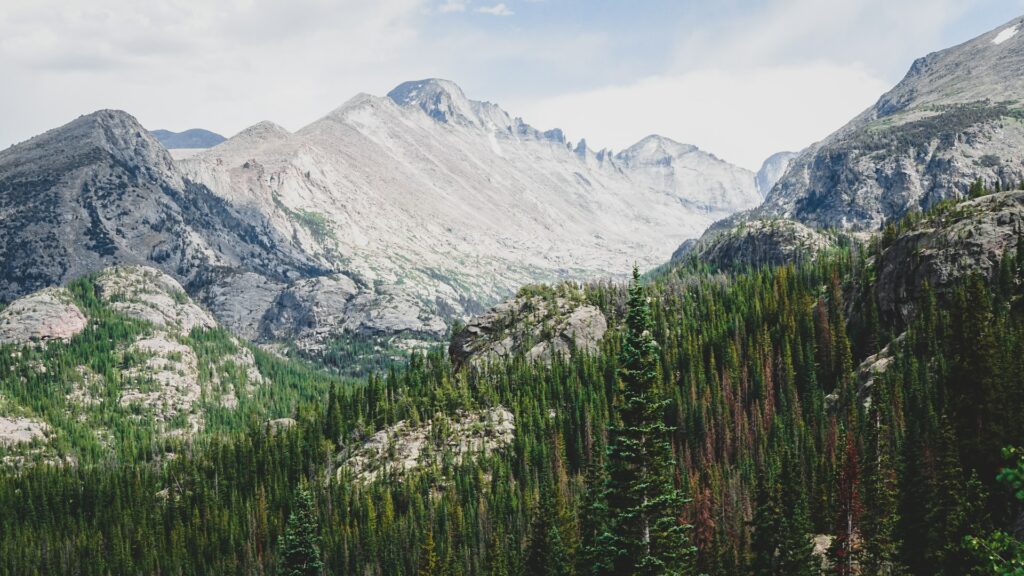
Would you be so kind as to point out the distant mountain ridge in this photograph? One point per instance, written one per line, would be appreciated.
(439, 205)
(193, 138)
(388, 215)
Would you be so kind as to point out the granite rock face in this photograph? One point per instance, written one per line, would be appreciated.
(406, 446)
(969, 238)
(536, 326)
(758, 243)
(957, 116)
(49, 314)
(772, 170)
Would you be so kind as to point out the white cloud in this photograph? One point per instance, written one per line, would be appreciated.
(452, 6)
(741, 115)
(497, 10)
(888, 34)
(186, 63)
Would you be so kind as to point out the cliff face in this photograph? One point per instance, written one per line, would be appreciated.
(957, 116)
(969, 238)
(555, 321)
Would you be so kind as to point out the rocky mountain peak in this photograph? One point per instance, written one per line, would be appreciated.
(113, 133)
(655, 149)
(986, 67)
(442, 100)
(956, 117)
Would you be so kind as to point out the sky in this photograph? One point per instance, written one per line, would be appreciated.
(740, 78)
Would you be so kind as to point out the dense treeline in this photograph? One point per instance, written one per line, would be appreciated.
(773, 437)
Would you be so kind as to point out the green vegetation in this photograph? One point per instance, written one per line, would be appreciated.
(722, 411)
(315, 222)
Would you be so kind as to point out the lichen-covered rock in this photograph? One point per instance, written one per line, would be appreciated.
(535, 325)
(403, 446)
(49, 314)
(968, 238)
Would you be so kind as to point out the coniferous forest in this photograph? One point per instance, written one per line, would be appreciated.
(728, 424)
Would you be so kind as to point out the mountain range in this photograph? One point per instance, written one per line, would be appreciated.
(393, 214)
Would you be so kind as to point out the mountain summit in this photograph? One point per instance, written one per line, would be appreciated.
(442, 100)
(437, 205)
(388, 215)
(958, 115)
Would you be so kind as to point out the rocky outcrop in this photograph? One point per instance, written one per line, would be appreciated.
(534, 325)
(166, 376)
(19, 430)
(404, 446)
(954, 118)
(756, 243)
(148, 294)
(968, 238)
(44, 316)
(874, 366)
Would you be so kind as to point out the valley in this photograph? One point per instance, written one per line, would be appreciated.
(419, 336)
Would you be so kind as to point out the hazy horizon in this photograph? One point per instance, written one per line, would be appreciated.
(739, 79)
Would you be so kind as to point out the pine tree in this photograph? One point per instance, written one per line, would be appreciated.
(300, 548)
(782, 529)
(430, 563)
(644, 535)
(545, 553)
(333, 419)
(881, 493)
(845, 549)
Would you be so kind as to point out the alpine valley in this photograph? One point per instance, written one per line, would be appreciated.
(420, 336)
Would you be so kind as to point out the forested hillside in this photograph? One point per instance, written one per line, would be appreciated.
(804, 428)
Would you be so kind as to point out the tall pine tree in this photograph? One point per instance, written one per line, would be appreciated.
(644, 534)
(300, 549)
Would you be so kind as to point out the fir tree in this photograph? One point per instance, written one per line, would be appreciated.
(300, 548)
(644, 535)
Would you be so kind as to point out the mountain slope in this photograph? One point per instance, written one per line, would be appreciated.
(440, 205)
(958, 115)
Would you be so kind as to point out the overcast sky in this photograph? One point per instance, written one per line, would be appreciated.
(741, 79)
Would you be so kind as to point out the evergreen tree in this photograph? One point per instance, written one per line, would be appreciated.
(845, 548)
(430, 563)
(300, 548)
(545, 554)
(644, 535)
(782, 530)
(333, 419)
(881, 491)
